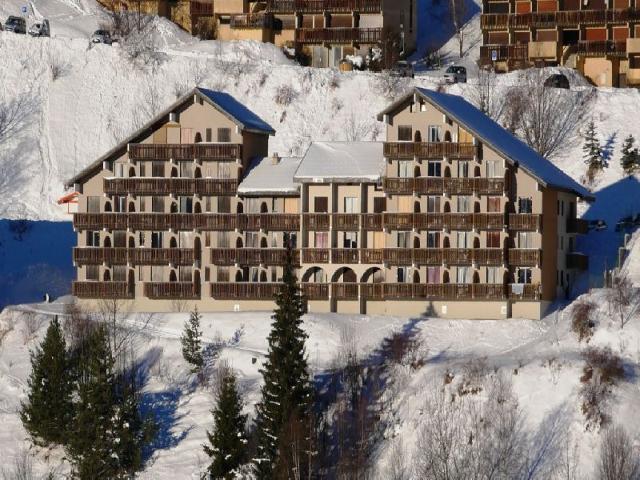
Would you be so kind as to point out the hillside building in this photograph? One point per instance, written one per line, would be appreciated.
(451, 216)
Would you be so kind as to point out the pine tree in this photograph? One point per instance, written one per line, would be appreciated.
(228, 440)
(287, 391)
(93, 445)
(592, 152)
(630, 156)
(49, 410)
(191, 341)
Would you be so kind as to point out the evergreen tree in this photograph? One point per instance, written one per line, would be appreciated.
(286, 393)
(49, 410)
(93, 445)
(228, 440)
(191, 341)
(630, 156)
(592, 152)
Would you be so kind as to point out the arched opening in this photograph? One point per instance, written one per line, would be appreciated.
(447, 172)
(239, 276)
(132, 242)
(476, 242)
(373, 275)
(264, 208)
(240, 208)
(447, 136)
(173, 243)
(263, 243)
(445, 276)
(416, 276)
(172, 276)
(107, 242)
(197, 208)
(132, 172)
(132, 207)
(416, 242)
(174, 207)
(106, 276)
(196, 282)
(315, 275)
(197, 249)
(174, 172)
(416, 206)
(476, 172)
(416, 171)
(197, 173)
(198, 138)
(446, 243)
(263, 276)
(476, 207)
(107, 206)
(344, 275)
(476, 277)
(447, 207)
(239, 242)
(417, 137)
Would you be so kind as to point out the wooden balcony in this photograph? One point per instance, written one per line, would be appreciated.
(577, 261)
(277, 222)
(245, 291)
(249, 21)
(322, 6)
(345, 255)
(565, 19)
(444, 256)
(102, 290)
(172, 290)
(348, 222)
(525, 222)
(251, 256)
(203, 8)
(529, 292)
(409, 150)
(157, 221)
(185, 152)
(438, 221)
(315, 291)
(577, 225)
(133, 256)
(372, 222)
(167, 186)
(440, 185)
(372, 256)
(316, 255)
(525, 257)
(602, 48)
(443, 291)
(338, 35)
(502, 53)
(345, 291)
(316, 222)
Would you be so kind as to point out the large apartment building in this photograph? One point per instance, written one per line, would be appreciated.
(322, 31)
(599, 38)
(451, 216)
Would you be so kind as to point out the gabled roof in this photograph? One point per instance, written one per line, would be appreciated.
(496, 137)
(268, 178)
(225, 103)
(342, 162)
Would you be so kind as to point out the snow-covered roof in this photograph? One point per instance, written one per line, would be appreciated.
(265, 177)
(342, 162)
(237, 111)
(225, 103)
(492, 134)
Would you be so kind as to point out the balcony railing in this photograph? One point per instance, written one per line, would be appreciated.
(525, 257)
(187, 152)
(440, 185)
(400, 150)
(316, 255)
(245, 291)
(251, 256)
(172, 290)
(449, 221)
(133, 256)
(281, 222)
(501, 53)
(346, 221)
(577, 225)
(201, 8)
(316, 221)
(523, 291)
(321, 6)
(570, 18)
(102, 290)
(345, 255)
(252, 20)
(166, 186)
(338, 35)
(602, 48)
(372, 222)
(525, 221)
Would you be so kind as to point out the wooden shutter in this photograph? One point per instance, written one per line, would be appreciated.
(596, 34)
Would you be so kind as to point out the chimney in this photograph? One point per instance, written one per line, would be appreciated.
(275, 158)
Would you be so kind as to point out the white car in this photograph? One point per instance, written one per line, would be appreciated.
(40, 29)
(455, 74)
(101, 36)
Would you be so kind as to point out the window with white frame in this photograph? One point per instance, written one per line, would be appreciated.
(350, 204)
(351, 240)
(465, 240)
(403, 274)
(434, 133)
(433, 204)
(321, 240)
(523, 275)
(92, 238)
(464, 275)
(405, 170)
(494, 169)
(404, 239)
(526, 240)
(464, 204)
(493, 275)
(525, 205)
(463, 169)
(433, 239)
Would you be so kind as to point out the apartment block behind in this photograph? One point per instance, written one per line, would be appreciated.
(452, 216)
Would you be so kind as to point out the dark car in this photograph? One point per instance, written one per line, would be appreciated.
(16, 25)
(455, 74)
(557, 80)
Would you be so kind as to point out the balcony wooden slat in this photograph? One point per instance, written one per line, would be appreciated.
(344, 255)
(525, 257)
(433, 150)
(319, 222)
(372, 256)
(338, 35)
(372, 222)
(167, 186)
(321, 6)
(251, 256)
(252, 21)
(185, 152)
(171, 290)
(245, 291)
(349, 222)
(315, 291)
(525, 221)
(277, 222)
(156, 221)
(102, 290)
(315, 255)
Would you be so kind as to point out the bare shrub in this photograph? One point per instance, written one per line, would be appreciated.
(568, 464)
(389, 86)
(22, 469)
(544, 117)
(357, 130)
(398, 467)
(474, 373)
(623, 298)
(582, 319)
(135, 33)
(31, 323)
(602, 370)
(179, 305)
(484, 94)
(617, 459)
(458, 11)
(285, 95)
(58, 68)
(604, 364)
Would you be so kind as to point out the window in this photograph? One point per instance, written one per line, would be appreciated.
(493, 275)
(93, 239)
(350, 240)
(156, 239)
(185, 239)
(494, 170)
(465, 240)
(119, 273)
(120, 204)
(379, 205)
(405, 133)
(350, 205)
(293, 239)
(208, 135)
(524, 275)
(142, 168)
(405, 170)
(157, 204)
(224, 135)
(119, 170)
(93, 204)
(253, 240)
(403, 274)
(434, 133)
(434, 169)
(433, 274)
(157, 169)
(185, 274)
(493, 205)
(463, 169)
(525, 205)
(404, 239)
(433, 239)
(464, 204)
(321, 204)
(493, 239)
(186, 204)
(525, 239)
(141, 239)
(433, 204)
(92, 273)
(224, 240)
(143, 204)
(464, 275)
(224, 205)
(321, 240)
(186, 169)
(119, 239)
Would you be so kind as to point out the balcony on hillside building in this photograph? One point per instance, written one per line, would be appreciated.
(166, 186)
(133, 256)
(102, 290)
(185, 152)
(338, 35)
(436, 150)
(322, 6)
(544, 50)
(602, 48)
(525, 257)
(248, 21)
(172, 290)
(440, 185)
(251, 256)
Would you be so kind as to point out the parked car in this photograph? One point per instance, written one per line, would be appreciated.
(402, 69)
(16, 25)
(455, 74)
(557, 80)
(101, 36)
(40, 29)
